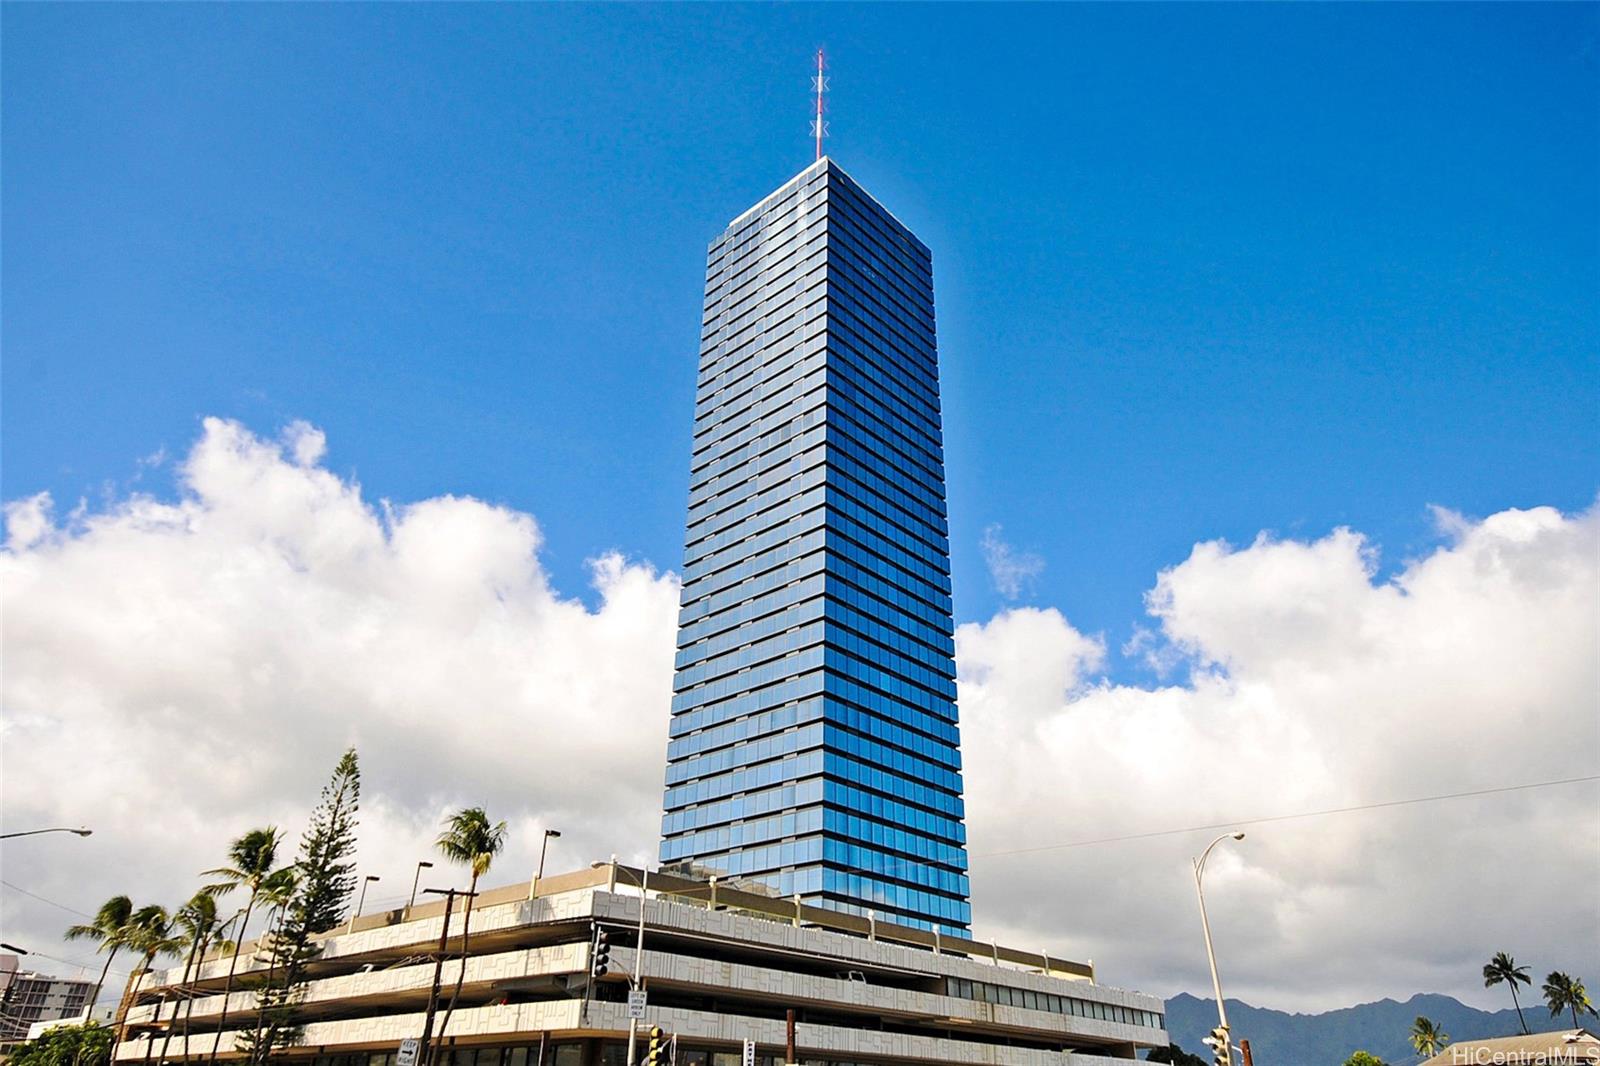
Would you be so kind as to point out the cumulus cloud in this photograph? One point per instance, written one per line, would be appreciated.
(1310, 685)
(1012, 572)
(176, 672)
(179, 670)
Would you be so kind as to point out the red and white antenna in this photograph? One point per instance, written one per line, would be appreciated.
(819, 84)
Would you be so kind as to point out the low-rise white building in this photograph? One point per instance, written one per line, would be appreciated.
(105, 1014)
(719, 967)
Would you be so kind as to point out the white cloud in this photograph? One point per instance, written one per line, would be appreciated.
(176, 672)
(1312, 686)
(1011, 571)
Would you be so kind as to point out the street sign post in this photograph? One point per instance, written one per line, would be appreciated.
(636, 1004)
(408, 1052)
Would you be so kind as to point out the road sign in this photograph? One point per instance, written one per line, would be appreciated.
(636, 1002)
(408, 1052)
(749, 1053)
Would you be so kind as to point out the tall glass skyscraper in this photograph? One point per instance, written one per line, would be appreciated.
(814, 745)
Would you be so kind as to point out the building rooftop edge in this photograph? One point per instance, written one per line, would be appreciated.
(733, 899)
(823, 162)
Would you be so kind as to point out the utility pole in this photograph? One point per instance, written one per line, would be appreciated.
(1244, 1049)
(788, 1040)
(425, 1052)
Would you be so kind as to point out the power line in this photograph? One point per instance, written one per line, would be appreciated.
(41, 899)
(1263, 820)
(78, 964)
(1289, 817)
(890, 868)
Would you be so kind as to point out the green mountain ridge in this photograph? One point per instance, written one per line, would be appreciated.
(1279, 1038)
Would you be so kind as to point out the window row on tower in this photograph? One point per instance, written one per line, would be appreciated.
(762, 332)
(816, 734)
(798, 794)
(907, 363)
(900, 252)
(870, 407)
(838, 764)
(898, 903)
(714, 409)
(763, 452)
(790, 396)
(895, 674)
(832, 527)
(847, 716)
(798, 614)
(909, 876)
(703, 618)
(758, 364)
(851, 356)
(907, 323)
(731, 358)
(856, 266)
(899, 844)
(787, 796)
(779, 237)
(938, 729)
(888, 447)
(725, 456)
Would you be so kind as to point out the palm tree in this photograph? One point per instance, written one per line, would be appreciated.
(470, 840)
(1427, 1037)
(150, 934)
(197, 923)
(252, 858)
(1504, 969)
(276, 894)
(109, 929)
(1564, 992)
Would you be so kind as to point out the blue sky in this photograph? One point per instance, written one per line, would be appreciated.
(1201, 270)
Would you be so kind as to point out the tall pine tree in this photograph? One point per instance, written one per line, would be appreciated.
(326, 869)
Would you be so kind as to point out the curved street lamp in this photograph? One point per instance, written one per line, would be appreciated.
(416, 879)
(1205, 923)
(544, 844)
(80, 831)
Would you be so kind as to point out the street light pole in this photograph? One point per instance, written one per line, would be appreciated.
(35, 832)
(361, 901)
(1205, 924)
(415, 880)
(533, 886)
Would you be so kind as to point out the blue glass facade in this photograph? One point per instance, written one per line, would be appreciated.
(814, 744)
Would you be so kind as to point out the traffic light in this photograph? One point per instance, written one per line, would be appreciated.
(1221, 1049)
(600, 958)
(657, 1056)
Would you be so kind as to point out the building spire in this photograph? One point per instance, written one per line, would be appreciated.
(819, 84)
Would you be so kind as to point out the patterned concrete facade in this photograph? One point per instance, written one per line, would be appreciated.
(715, 978)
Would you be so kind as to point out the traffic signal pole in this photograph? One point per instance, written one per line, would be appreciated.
(638, 965)
(1219, 1040)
